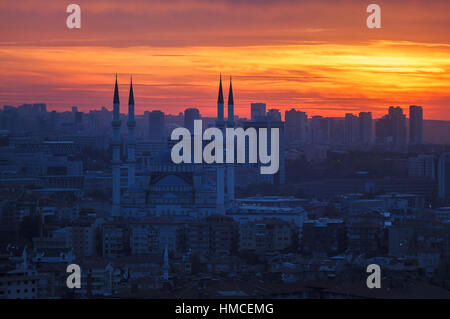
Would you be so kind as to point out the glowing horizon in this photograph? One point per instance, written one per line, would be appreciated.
(318, 58)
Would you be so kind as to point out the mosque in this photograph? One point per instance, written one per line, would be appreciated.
(165, 188)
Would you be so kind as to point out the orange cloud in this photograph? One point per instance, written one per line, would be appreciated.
(318, 57)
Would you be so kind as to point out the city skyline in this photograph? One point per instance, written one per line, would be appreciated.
(247, 110)
(244, 150)
(319, 58)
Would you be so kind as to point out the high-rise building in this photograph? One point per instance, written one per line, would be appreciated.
(78, 117)
(268, 123)
(352, 129)
(383, 130)
(274, 115)
(398, 125)
(258, 111)
(156, 125)
(295, 126)
(40, 107)
(365, 128)
(444, 177)
(336, 127)
(415, 124)
(423, 165)
(190, 115)
(319, 130)
(391, 128)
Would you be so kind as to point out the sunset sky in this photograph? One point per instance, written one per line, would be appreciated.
(316, 56)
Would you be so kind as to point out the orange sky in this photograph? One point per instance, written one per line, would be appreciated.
(317, 56)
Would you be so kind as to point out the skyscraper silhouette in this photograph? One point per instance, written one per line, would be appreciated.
(415, 124)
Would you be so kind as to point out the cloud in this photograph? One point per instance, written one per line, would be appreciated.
(316, 55)
(223, 23)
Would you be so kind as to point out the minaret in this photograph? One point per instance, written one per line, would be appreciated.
(220, 177)
(25, 259)
(230, 124)
(220, 120)
(131, 139)
(165, 266)
(116, 152)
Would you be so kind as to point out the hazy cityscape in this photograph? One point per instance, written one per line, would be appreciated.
(99, 189)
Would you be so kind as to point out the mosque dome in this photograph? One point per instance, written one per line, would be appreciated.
(171, 180)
